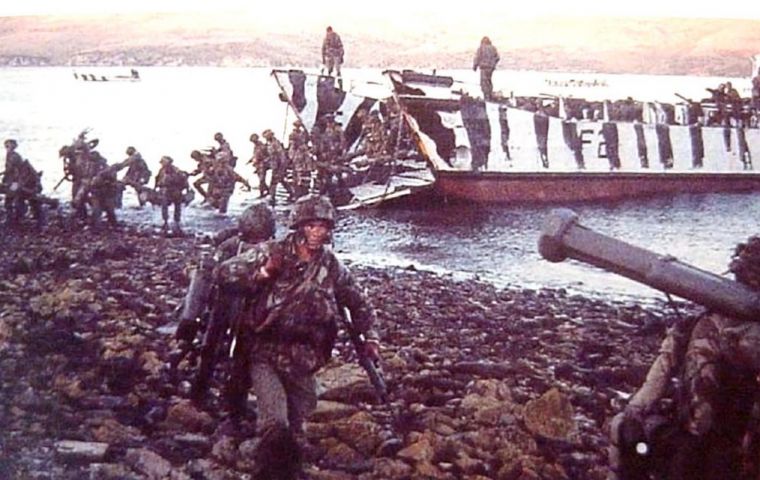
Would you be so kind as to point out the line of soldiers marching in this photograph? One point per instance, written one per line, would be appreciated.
(316, 161)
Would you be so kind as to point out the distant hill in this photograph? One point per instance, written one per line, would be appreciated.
(605, 45)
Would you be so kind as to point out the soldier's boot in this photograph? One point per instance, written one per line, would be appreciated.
(278, 455)
(177, 229)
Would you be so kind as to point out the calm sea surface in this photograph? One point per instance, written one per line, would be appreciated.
(175, 110)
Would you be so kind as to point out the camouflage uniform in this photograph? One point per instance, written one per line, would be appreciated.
(708, 357)
(332, 152)
(294, 318)
(13, 163)
(171, 183)
(224, 151)
(260, 163)
(278, 161)
(256, 224)
(105, 190)
(222, 179)
(300, 157)
(138, 174)
(332, 52)
(21, 185)
(375, 144)
(486, 58)
(205, 164)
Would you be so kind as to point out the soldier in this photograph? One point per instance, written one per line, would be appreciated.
(205, 164)
(705, 424)
(298, 288)
(332, 153)
(171, 184)
(223, 179)
(260, 164)
(375, 143)
(300, 157)
(138, 174)
(486, 58)
(255, 225)
(224, 151)
(22, 187)
(104, 189)
(278, 160)
(13, 163)
(332, 53)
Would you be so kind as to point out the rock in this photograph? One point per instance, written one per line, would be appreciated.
(149, 463)
(420, 451)
(112, 471)
(340, 456)
(151, 363)
(72, 451)
(111, 431)
(328, 411)
(225, 450)
(208, 470)
(361, 432)
(390, 468)
(550, 415)
(346, 383)
(183, 415)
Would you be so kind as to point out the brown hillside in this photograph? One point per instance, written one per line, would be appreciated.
(671, 46)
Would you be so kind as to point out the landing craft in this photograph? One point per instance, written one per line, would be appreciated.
(554, 149)
(134, 76)
(370, 180)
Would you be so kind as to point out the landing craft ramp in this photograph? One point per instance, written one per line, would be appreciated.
(371, 182)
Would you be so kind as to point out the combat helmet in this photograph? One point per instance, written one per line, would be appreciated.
(218, 136)
(131, 150)
(312, 207)
(257, 222)
(10, 143)
(745, 263)
(254, 137)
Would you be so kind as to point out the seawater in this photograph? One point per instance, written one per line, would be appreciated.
(174, 110)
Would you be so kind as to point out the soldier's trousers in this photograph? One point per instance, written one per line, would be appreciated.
(282, 398)
(485, 82)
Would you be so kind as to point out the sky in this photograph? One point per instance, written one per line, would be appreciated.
(746, 9)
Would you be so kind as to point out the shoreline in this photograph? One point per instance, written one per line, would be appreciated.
(485, 382)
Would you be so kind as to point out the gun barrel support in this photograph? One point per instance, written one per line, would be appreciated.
(563, 237)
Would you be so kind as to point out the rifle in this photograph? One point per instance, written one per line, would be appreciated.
(64, 178)
(195, 302)
(562, 237)
(373, 371)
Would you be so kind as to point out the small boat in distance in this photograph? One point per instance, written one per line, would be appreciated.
(134, 76)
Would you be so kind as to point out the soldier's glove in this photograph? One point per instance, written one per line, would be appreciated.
(272, 266)
(372, 350)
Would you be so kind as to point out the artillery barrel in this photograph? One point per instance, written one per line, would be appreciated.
(563, 237)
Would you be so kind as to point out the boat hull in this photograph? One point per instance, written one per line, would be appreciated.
(551, 187)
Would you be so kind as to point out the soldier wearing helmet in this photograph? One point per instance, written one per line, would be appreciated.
(171, 185)
(137, 175)
(697, 411)
(260, 163)
(278, 161)
(255, 225)
(223, 151)
(300, 288)
(21, 185)
(13, 163)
